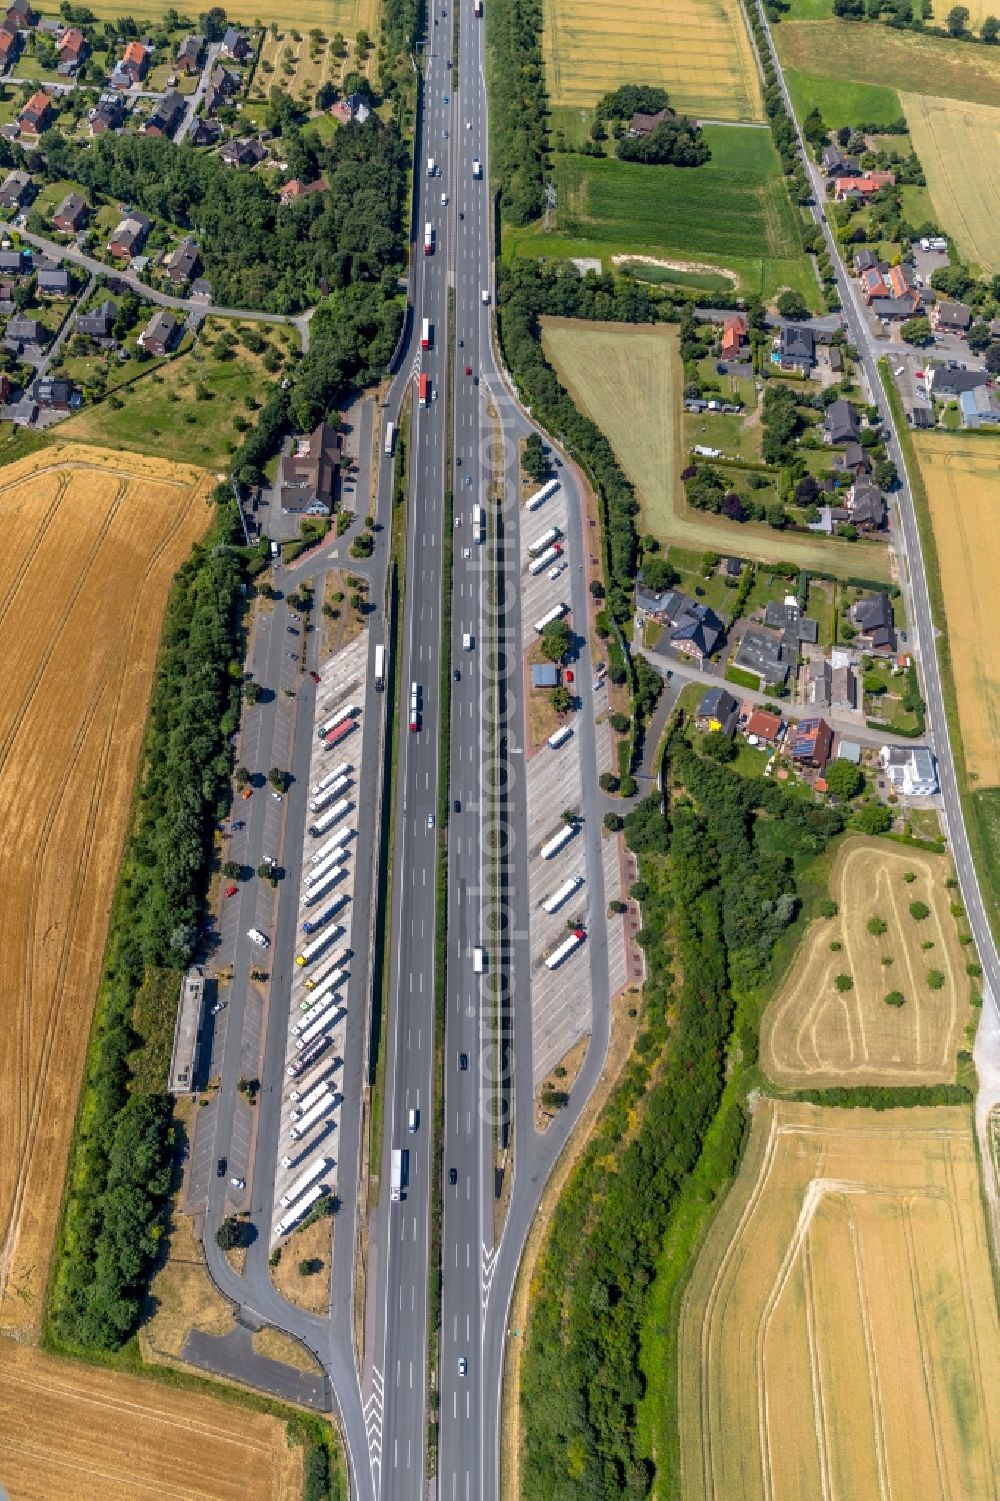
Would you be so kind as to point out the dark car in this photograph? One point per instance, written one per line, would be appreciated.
(220, 1168)
(463, 1063)
(452, 1175)
(314, 676)
(456, 806)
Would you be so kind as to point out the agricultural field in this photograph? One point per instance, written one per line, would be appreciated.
(843, 103)
(698, 50)
(91, 546)
(813, 1035)
(297, 61)
(839, 1333)
(871, 54)
(960, 475)
(338, 15)
(959, 149)
(733, 212)
(628, 379)
(71, 1429)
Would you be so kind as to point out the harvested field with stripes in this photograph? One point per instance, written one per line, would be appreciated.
(698, 50)
(816, 1036)
(69, 1429)
(959, 149)
(839, 1333)
(91, 543)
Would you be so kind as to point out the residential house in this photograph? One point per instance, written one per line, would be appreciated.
(6, 297)
(182, 263)
(72, 48)
(871, 617)
(359, 108)
(836, 359)
(893, 309)
(56, 395)
(979, 408)
(15, 189)
(235, 44)
(132, 66)
(812, 742)
(873, 283)
(71, 214)
(225, 82)
(764, 726)
(167, 115)
(921, 417)
(950, 317)
(204, 132)
(796, 348)
(766, 654)
(867, 506)
(189, 54)
(841, 423)
(54, 283)
(99, 323)
(818, 683)
(864, 186)
(718, 711)
(843, 685)
(544, 675)
(900, 282)
(21, 13)
(248, 152)
(866, 260)
(160, 332)
(910, 768)
(24, 334)
(296, 189)
(213, 101)
(663, 606)
(307, 476)
(855, 459)
(942, 381)
(341, 112)
(129, 237)
(731, 568)
(698, 632)
(6, 388)
(201, 290)
(835, 164)
(734, 336)
(644, 124)
(10, 44)
(787, 617)
(108, 114)
(15, 263)
(36, 114)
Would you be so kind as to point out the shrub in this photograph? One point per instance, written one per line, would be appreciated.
(895, 998)
(835, 946)
(877, 926)
(844, 983)
(935, 979)
(919, 910)
(828, 907)
(909, 877)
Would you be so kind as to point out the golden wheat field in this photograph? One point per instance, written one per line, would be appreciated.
(72, 1430)
(813, 1035)
(962, 480)
(839, 1334)
(698, 50)
(959, 149)
(91, 542)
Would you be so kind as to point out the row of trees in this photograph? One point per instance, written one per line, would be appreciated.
(519, 104)
(119, 1174)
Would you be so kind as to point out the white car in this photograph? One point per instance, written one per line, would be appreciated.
(477, 167)
(238, 1182)
(486, 295)
(463, 1365)
(260, 939)
(444, 200)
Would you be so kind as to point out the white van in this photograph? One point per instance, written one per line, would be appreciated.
(431, 167)
(467, 641)
(479, 960)
(412, 1121)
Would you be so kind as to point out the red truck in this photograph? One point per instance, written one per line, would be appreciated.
(424, 390)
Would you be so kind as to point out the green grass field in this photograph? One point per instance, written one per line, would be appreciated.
(659, 276)
(841, 102)
(872, 54)
(628, 380)
(732, 212)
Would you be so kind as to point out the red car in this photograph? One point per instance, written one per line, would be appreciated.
(314, 676)
(468, 369)
(568, 675)
(231, 890)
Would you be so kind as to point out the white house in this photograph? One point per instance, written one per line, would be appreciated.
(910, 768)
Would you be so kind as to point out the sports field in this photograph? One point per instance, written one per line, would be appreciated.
(69, 1429)
(881, 55)
(814, 1035)
(959, 149)
(838, 1337)
(698, 50)
(628, 379)
(961, 477)
(91, 543)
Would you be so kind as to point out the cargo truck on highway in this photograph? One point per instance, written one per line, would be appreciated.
(425, 334)
(477, 7)
(397, 1175)
(390, 438)
(424, 390)
(330, 817)
(322, 918)
(541, 496)
(379, 667)
(305, 1181)
(555, 901)
(558, 841)
(478, 523)
(547, 557)
(565, 949)
(298, 1211)
(428, 239)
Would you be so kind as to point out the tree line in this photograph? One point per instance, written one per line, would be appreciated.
(119, 1173)
(518, 102)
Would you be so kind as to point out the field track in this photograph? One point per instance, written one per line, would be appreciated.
(812, 1036)
(839, 1337)
(68, 1429)
(80, 610)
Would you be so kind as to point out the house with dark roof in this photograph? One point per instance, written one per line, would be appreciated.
(866, 260)
(99, 323)
(55, 394)
(22, 334)
(796, 348)
(204, 132)
(697, 632)
(189, 54)
(130, 236)
(854, 459)
(307, 476)
(664, 605)
(835, 164)
(921, 417)
(15, 263)
(160, 333)
(781, 616)
(841, 423)
(22, 14)
(950, 317)
(644, 124)
(942, 381)
(107, 115)
(767, 654)
(226, 82)
(15, 189)
(182, 263)
(718, 711)
(36, 114)
(248, 152)
(235, 44)
(867, 506)
(871, 617)
(812, 742)
(358, 107)
(167, 116)
(71, 214)
(54, 283)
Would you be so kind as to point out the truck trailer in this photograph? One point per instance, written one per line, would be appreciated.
(555, 901)
(335, 842)
(426, 334)
(350, 712)
(428, 239)
(321, 1108)
(305, 1060)
(565, 949)
(322, 918)
(340, 770)
(547, 557)
(331, 863)
(379, 667)
(545, 541)
(330, 794)
(304, 1102)
(304, 1181)
(397, 1174)
(313, 982)
(541, 496)
(298, 1211)
(321, 1011)
(556, 613)
(559, 736)
(558, 841)
(340, 733)
(424, 390)
(332, 815)
(325, 990)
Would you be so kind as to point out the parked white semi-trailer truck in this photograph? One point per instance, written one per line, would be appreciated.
(555, 901)
(548, 556)
(304, 1103)
(348, 712)
(324, 868)
(321, 919)
(332, 816)
(544, 542)
(558, 841)
(320, 1024)
(330, 984)
(312, 1117)
(316, 1013)
(324, 885)
(565, 949)
(541, 496)
(304, 1181)
(331, 967)
(336, 842)
(298, 1211)
(331, 777)
(329, 794)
